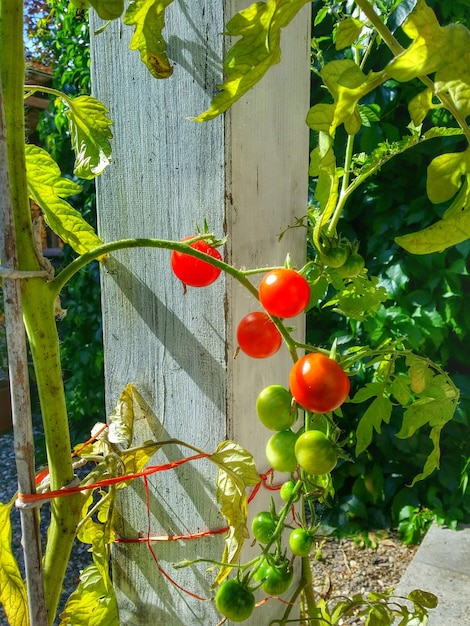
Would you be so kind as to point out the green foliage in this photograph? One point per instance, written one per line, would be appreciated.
(424, 306)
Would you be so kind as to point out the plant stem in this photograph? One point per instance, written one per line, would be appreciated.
(20, 392)
(101, 251)
(38, 311)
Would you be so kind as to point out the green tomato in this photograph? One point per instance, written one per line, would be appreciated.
(300, 542)
(274, 408)
(280, 451)
(234, 601)
(276, 577)
(286, 491)
(334, 257)
(263, 527)
(353, 266)
(315, 453)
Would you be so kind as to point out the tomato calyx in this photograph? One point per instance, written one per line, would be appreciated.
(275, 573)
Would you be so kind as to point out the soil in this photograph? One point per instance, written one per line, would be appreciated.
(344, 567)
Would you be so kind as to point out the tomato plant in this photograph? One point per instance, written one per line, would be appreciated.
(258, 336)
(318, 383)
(280, 451)
(300, 542)
(263, 526)
(274, 408)
(277, 576)
(284, 293)
(234, 600)
(192, 271)
(315, 453)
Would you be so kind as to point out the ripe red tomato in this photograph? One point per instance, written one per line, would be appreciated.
(258, 336)
(318, 383)
(284, 293)
(192, 271)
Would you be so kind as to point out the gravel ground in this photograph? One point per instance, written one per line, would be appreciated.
(341, 567)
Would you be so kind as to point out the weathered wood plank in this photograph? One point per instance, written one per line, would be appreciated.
(246, 175)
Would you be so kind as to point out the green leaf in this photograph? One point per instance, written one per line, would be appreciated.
(92, 603)
(90, 133)
(48, 189)
(148, 17)
(13, 595)
(359, 298)
(348, 32)
(423, 598)
(237, 471)
(379, 411)
(108, 9)
(248, 60)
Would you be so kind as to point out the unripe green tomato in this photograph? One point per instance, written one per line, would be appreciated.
(353, 265)
(280, 451)
(334, 257)
(234, 601)
(274, 408)
(286, 491)
(300, 542)
(315, 453)
(263, 526)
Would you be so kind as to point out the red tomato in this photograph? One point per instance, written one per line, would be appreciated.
(258, 336)
(284, 293)
(318, 383)
(192, 271)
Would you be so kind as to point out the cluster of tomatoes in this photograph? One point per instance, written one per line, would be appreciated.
(317, 384)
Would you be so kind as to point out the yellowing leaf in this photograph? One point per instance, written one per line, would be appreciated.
(347, 84)
(237, 471)
(12, 588)
(48, 189)
(444, 175)
(92, 603)
(439, 236)
(348, 32)
(248, 60)
(148, 17)
(435, 48)
(419, 106)
(90, 133)
(121, 420)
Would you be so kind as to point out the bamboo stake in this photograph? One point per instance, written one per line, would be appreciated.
(20, 390)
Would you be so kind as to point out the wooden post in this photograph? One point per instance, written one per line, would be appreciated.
(246, 174)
